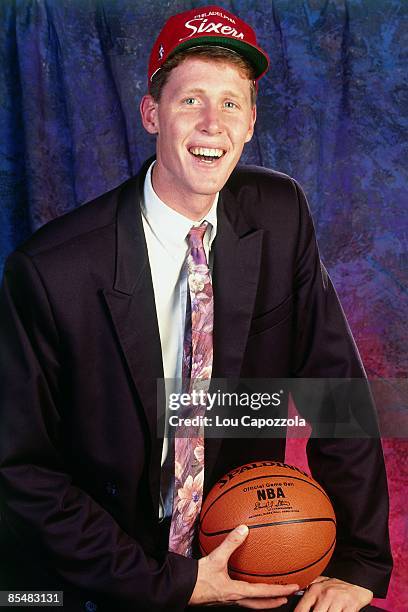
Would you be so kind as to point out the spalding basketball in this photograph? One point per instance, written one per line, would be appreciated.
(292, 525)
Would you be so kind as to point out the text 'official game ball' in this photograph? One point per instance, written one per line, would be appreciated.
(292, 525)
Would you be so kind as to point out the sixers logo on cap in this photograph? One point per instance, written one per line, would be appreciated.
(202, 24)
(210, 25)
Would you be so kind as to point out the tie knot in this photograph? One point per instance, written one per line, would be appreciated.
(196, 235)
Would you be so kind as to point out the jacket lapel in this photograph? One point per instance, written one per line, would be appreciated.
(237, 259)
(133, 311)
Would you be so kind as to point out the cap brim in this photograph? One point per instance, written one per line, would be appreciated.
(255, 56)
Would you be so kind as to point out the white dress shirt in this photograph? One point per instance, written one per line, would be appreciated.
(166, 233)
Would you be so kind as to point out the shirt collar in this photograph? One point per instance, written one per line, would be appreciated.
(169, 226)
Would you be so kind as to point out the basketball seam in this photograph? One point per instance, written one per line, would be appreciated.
(286, 573)
(280, 574)
(257, 526)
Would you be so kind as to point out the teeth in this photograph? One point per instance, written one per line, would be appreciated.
(206, 152)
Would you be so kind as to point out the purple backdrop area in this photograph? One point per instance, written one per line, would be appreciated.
(331, 114)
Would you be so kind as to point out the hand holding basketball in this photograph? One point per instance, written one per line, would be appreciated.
(331, 593)
(215, 586)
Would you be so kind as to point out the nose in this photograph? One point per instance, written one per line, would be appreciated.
(211, 121)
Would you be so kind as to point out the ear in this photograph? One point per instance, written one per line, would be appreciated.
(251, 124)
(148, 112)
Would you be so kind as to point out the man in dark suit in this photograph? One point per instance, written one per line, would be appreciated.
(93, 310)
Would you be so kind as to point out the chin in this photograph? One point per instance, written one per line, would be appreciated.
(212, 185)
(211, 191)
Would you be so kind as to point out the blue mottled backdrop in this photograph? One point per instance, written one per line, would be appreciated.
(332, 111)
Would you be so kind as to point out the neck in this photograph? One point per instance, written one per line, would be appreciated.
(192, 206)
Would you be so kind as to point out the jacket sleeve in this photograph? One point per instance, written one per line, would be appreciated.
(351, 469)
(65, 527)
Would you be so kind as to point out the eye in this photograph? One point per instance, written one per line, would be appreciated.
(229, 104)
(190, 101)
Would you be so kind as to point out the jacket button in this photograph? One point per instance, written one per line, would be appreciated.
(91, 606)
(111, 489)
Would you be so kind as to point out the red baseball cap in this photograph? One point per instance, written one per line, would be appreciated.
(207, 25)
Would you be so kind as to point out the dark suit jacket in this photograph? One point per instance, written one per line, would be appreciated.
(79, 455)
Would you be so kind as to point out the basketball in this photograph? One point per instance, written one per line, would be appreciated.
(292, 525)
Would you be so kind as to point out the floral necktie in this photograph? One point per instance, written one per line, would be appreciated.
(197, 367)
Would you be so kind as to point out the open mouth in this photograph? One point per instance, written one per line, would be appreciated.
(206, 154)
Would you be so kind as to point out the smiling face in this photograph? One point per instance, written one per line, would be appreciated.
(202, 120)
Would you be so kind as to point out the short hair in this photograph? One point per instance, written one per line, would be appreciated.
(206, 52)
